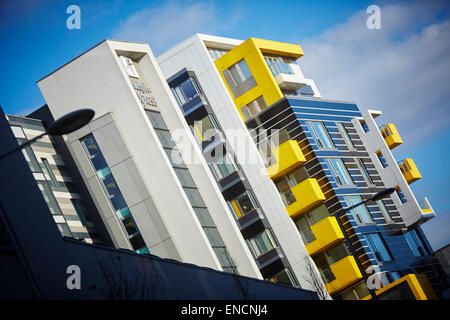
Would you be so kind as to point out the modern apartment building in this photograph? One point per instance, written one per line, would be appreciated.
(70, 210)
(325, 158)
(37, 263)
(151, 186)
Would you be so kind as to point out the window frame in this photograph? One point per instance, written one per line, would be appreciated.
(355, 211)
(334, 170)
(318, 137)
(255, 247)
(239, 71)
(374, 249)
(130, 67)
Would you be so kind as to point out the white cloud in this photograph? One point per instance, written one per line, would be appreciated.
(402, 69)
(165, 25)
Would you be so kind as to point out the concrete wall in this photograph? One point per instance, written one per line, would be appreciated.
(392, 176)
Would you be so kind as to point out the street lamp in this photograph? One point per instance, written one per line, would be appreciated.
(377, 196)
(66, 124)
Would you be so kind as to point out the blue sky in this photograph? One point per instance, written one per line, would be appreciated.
(402, 69)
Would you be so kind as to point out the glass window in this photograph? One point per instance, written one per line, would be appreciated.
(324, 268)
(285, 191)
(18, 132)
(129, 66)
(223, 167)
(339, 171)
(175, 158)
(377, 246)
(77, 206)
(194, 197)
(265, 149)
(165, 138)
(48, 170)
(262, 243)
(156, 119)
(31, 159)
(385, 211)
(364, 126)
(64, 230)
(297, 176)
(204, 217)
(306, 91)
(337, 253)
(205, 128)
(364, 171)
(361, 212)
(279, 65)
(240, 72)
(285, 277)
(246, 202)
(395, 275)
(186, 91)
(129, 225)
(305, 230)
(254, 107)
(415, 243)
(214, 237)
(224, 258)
(143, 250)
(345, 134)
(216, 53)
(318, 214)
(49, 198)
(185, 177)
(382, 159)
(97, 159)
(400, 195)
(137, 242)
(320, 134)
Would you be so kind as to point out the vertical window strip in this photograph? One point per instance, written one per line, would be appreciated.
(111, 189)
(194, 197)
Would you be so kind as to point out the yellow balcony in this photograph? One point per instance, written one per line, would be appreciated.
(391, 135)
(409, 170)
(307, 196)
(346, 273)
(288, 156)
(327, 233)
(418, 284)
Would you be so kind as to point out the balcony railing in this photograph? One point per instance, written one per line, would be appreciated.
(326, 233)
(307, 195)
(391, 135)
(346, 273)
(425, 205)
(409, 170)
(278, 65)
(288, 156)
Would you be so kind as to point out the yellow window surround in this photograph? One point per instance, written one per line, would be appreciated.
(252, 51)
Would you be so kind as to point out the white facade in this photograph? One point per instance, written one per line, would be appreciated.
(99, 79)
(193, 54)
(410, 211)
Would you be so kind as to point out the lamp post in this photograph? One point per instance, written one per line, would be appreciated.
(66, 124)
(338, 215)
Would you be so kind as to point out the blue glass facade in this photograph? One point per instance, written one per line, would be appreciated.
(337, 158)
